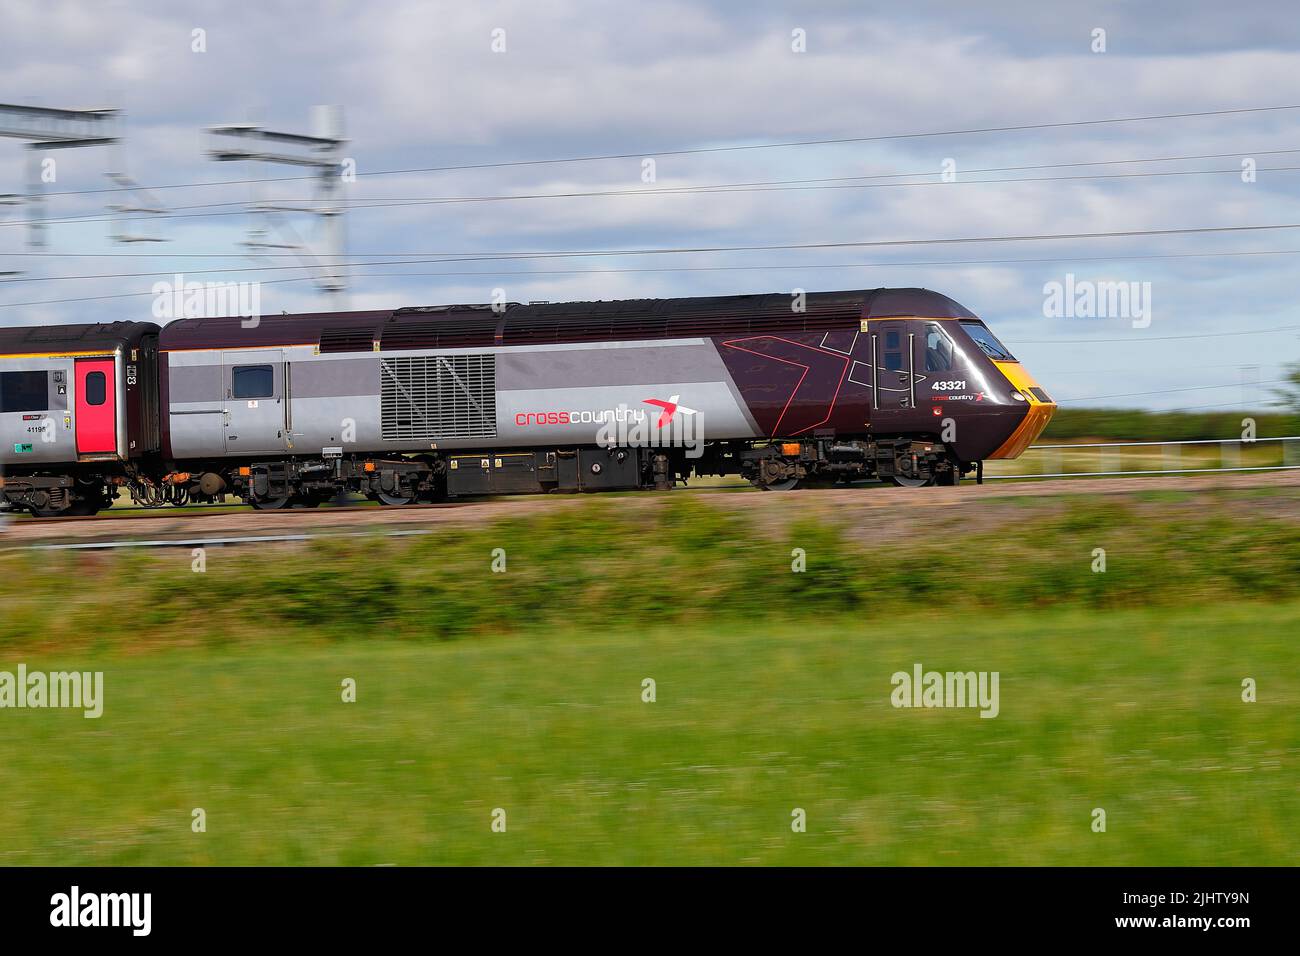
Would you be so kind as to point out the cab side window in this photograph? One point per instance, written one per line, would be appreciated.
(938, 350)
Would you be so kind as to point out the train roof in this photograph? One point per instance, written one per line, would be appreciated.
(88, 337)
(468, 326)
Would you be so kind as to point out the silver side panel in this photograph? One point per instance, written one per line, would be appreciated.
(41, 436)
(195, 404)
(544, 394)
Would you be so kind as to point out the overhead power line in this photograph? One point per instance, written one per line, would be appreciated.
(424, 257)
(697, 150)
(1165, 391)
(801, 182)
(720, 189)
(400, 258)
(1140, 339)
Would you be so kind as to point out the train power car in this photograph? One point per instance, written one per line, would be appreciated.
(902, 385)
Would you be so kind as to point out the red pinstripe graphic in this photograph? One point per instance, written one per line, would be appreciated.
(776, 429)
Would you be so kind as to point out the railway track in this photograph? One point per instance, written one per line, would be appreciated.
(245, 527)
(1287, 445)
(132, 514)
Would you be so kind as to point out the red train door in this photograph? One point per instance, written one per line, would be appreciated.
(96, 406)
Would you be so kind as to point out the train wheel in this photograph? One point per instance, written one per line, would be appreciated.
(394, 501)
(905, 482)
(789, 484)
(270, 504)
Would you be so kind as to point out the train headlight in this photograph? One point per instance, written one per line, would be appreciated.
(1018, 397)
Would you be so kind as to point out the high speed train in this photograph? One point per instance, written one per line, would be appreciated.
(430, 402)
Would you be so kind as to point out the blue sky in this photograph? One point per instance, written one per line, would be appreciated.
(420, 86)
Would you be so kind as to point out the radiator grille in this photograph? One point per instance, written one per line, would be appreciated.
(438, 397)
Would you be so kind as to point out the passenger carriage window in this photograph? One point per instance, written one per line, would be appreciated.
(24, 391)
(252, 381)
(96, 388)
(938, 350)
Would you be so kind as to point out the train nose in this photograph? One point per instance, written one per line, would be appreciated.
(1038, 405)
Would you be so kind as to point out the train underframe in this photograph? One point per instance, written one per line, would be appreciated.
(407, 479)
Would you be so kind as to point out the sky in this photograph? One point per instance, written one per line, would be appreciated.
(703, 89)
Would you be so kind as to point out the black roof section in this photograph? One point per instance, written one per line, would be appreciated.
(922, 303)
(305, 328)
(472, 326)
(40, 339)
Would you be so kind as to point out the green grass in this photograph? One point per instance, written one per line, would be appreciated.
(670, 560)
(522, 690)
(1137, 712)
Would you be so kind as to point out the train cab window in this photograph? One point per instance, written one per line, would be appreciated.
(893, 351)
(252, 381)
(987, 341)
(96, 388)
(938, 349)
(24, 391)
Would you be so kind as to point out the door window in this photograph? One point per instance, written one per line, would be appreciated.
(894, 351)
(96, 388)
(252, 381)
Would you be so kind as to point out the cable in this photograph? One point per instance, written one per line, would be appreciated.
(773, 267)
(810, 183)
(718, 187)
(294, 255)
(1155, 338)
(724, 189)
(1280, 410)
(1165, 391)
(712, 149)
(431, 257)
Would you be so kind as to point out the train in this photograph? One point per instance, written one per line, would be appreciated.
(427, 403)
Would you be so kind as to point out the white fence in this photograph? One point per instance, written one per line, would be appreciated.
(1109, 458)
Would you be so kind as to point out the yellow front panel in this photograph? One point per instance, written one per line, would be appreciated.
(1036, 419)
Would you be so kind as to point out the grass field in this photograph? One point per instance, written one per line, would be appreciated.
(523, 691)
(1136, 712)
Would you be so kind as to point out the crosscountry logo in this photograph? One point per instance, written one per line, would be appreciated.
(669, 408)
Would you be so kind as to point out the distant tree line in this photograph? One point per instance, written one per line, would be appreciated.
(1129, 424)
